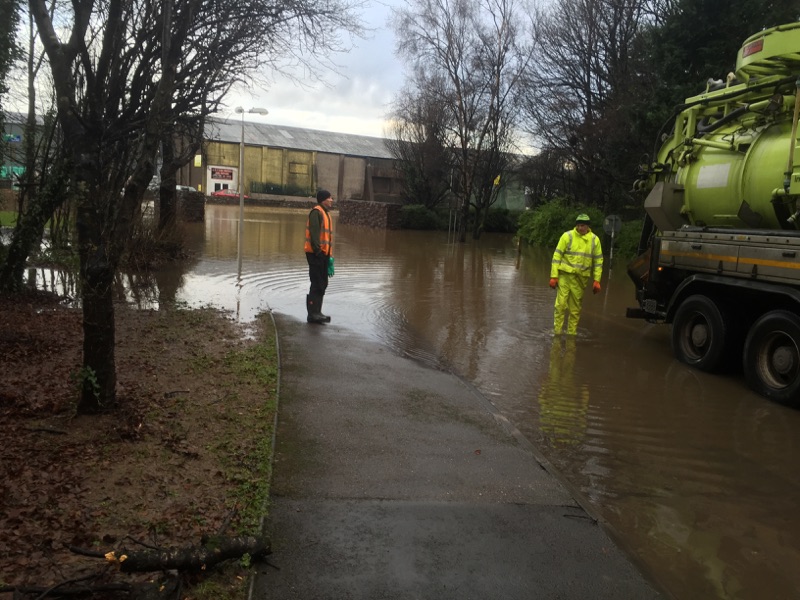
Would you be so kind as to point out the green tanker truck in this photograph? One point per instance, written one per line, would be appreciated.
(720, 250)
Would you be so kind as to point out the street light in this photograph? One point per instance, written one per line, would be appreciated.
(240, 110)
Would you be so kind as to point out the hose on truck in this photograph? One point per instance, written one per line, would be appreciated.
(793, 139)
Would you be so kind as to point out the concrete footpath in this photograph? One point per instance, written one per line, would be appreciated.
(396, 481)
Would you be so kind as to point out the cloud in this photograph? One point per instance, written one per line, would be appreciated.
(356, 99)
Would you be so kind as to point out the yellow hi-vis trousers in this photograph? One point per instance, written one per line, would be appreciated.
(569, 297)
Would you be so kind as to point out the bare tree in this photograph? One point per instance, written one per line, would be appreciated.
(546, 176)
(179, 143)
(126, 72)
(574, 99)
(41, 187)
(418, 141)
(468, 56)
(41, 194)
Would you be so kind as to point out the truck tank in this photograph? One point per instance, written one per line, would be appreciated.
(732, 160)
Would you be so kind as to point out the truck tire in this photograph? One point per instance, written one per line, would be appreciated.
(700, 333)
(772, 357)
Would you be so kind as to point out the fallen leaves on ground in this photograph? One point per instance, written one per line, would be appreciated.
(150, 471)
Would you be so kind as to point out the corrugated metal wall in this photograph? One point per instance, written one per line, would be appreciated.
(292, 172)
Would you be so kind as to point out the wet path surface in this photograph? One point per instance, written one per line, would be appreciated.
(695, 474)
(393, 480)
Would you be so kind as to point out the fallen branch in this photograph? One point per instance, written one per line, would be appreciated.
(47, 430)
(191, 558)
(214, 550)
(226, 523)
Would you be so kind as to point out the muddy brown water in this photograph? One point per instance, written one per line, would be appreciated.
(695, 475)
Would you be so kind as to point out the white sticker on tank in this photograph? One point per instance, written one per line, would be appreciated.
(713, 176)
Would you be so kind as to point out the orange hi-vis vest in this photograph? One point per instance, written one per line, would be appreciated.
(325, 233)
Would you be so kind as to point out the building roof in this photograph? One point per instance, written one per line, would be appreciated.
(275, 136)
(295, 138)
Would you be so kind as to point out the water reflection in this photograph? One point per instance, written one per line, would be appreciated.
(58, 281)
(563, 400)
(142, 289)
(694, 473)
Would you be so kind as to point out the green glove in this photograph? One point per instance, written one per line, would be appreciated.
(330, 266)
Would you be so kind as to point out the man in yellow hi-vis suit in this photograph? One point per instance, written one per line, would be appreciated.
(578, 257)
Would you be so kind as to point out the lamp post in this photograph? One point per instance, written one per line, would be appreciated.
(240, 110)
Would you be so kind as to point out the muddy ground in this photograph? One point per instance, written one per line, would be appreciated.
(182, 454)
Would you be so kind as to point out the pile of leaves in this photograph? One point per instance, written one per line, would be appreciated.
(184, 453)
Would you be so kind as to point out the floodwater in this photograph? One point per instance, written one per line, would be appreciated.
(695, 476)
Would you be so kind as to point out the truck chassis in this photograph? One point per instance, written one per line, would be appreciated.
(732, 297)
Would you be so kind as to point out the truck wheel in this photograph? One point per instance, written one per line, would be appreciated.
(772, 357)
(699, 333)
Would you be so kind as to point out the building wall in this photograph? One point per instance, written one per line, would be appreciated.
(252, 167)
(272, 166)
(280, 169)
(352, 181)
(342, 175)
(327, 170)
(386, 181)
(287, 172)
(298, 171)
(217, 157)
(219, 153)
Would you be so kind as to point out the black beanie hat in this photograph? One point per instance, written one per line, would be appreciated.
(323, 195)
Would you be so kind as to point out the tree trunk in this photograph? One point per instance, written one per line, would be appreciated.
(167, 197)
(99, 377)
(462, 233)
(480, 220)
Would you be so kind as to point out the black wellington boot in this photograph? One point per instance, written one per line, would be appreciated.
(313, 306)
(325, 318)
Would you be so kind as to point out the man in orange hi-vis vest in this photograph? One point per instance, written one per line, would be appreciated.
(319, 253)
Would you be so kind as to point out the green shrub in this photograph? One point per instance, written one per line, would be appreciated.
(417, 216)
(626, 242)
(544, 225)
(501, 220)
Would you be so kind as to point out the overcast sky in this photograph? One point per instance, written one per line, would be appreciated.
(354, 102)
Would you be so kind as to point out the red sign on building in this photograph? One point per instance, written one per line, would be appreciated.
(220, 173)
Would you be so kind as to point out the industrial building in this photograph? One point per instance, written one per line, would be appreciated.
(291, 161)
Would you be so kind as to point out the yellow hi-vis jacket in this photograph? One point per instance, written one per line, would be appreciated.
(325, 232)
(579, 254)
